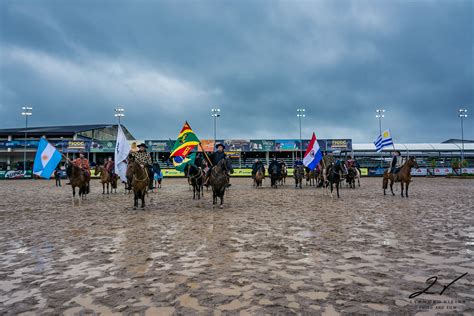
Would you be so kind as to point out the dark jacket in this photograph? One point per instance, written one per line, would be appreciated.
(217, 156)
(256, 166)
(276, 164)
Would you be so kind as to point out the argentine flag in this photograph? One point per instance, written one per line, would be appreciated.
(383, 140)
(313, 154)
(46, 160)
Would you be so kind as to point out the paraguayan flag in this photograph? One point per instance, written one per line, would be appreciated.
(46, 160)
(122, 149)
(313, 154)
(383, 140)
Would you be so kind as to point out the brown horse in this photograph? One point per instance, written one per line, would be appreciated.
(310, 177)
(259, 176)
(106, 179)
(78, 178)
(219, 180)
(298, 174)
(139, 180)
(403, 176)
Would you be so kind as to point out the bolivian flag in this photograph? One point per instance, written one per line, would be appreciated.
(184, 145)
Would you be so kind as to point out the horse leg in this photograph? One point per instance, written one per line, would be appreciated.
(337, 190)
(406, 189)
(401, 185)
(194, 192)
(222, 198)
(214, 198)
(135, 200)
(143, 193)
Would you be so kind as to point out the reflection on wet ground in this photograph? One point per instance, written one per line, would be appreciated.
(268, 251)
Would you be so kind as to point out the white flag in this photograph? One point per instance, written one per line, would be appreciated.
(122, 149)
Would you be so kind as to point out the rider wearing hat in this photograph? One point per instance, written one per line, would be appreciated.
(143, 158)
(396, 162)
(83, 163)
(110, 166)
(257, 165)
(215, 157)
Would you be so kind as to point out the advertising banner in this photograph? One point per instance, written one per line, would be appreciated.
(172, 173)
(419, 172)
(339, 144)
(102, 146)
(158, 145)
(364, 172)
(442, 171)
(237, 144)
(262, 145)
(15, 174)
(468, 170)
(207, 144)
(287, 144)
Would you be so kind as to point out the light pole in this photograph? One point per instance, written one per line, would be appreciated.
(119, 113)
(380, 115)
(215, 114)
(300, 113)
(462, 115)
(26, 111)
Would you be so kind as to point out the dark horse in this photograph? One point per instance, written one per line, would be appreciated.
(219, 180)
(298, 174)
(195, 176)
(275, 174)
(78, 178)
(351, 176)
(140, 180)
(334, 175)
(403, 176)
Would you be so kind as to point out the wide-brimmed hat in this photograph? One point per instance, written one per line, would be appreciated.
(143, 145)
(220, 144)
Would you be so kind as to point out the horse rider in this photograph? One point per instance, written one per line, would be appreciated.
(257, 165)
(275, 163)
(396, 162)
(110, 166)
(215, 158)
(328, 160)
(83, 163)
(297, 163)
(144, 159)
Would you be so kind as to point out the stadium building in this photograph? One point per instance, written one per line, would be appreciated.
(98, 142)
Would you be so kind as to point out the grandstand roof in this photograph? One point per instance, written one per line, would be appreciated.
(64, 130)
(416, 147)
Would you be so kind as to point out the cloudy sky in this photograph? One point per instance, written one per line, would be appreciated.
(258, 61)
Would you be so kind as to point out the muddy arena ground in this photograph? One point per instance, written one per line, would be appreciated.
(268, 251)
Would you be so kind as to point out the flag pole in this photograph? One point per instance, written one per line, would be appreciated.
(205, 155)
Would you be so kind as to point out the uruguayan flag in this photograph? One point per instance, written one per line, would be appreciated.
(46, 160)
(313, 154)
(383, 140)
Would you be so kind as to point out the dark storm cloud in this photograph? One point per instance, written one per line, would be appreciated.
(258, 61)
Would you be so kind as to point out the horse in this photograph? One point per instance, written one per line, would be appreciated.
(106, 178)
(310, 177)
(259, 176)
(219, 180)
(77, 178)
(275, 174)
(351, 176)
(195, 176)
(298, 174)
(403, 176)
(283, 174)
(139, 180)
(334, 175)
